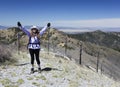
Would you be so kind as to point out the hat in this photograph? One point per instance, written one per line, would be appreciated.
(34, 27)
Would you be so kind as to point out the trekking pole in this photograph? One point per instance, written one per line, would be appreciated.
(18, 37)
(48, 37)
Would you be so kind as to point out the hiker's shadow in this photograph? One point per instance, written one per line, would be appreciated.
(50, 69)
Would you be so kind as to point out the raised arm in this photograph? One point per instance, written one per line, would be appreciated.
(44, 29)
(23, 29)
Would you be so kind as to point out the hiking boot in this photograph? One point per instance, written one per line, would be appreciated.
(32, 70)
(39, 70)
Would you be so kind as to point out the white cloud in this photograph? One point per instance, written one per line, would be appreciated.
(113, 22)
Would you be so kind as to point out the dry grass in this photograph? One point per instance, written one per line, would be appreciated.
(66, 74)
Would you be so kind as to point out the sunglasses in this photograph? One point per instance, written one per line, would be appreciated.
(34, 32)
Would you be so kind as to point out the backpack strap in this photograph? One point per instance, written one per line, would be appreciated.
(28, 42)
(33, 43)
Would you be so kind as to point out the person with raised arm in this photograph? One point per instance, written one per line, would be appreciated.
(34, 43)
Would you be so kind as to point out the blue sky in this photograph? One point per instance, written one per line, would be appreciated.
(73, 13)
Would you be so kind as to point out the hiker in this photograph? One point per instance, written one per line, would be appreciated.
(34, 43)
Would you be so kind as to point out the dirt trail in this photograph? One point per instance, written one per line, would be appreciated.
(56, 72)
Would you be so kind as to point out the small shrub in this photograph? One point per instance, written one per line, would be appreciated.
(5, 55)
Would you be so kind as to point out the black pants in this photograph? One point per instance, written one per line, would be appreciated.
(34, 53)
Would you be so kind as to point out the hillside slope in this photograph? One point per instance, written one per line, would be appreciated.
(57, 72)
(107, 39)
(99, 42)
(109, 59)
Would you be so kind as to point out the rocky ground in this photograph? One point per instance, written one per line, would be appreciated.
(57, 71)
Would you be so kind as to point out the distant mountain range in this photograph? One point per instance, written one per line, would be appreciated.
(3, 27)
(76, 29)
(6, 27)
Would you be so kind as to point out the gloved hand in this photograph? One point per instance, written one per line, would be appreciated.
(19, 24)
(48, 25)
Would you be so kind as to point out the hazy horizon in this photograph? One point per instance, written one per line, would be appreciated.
(74, 29)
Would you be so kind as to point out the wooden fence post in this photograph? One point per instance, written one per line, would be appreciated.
(98, 58)
(18, 43)
(66, 45)
(80, 57)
